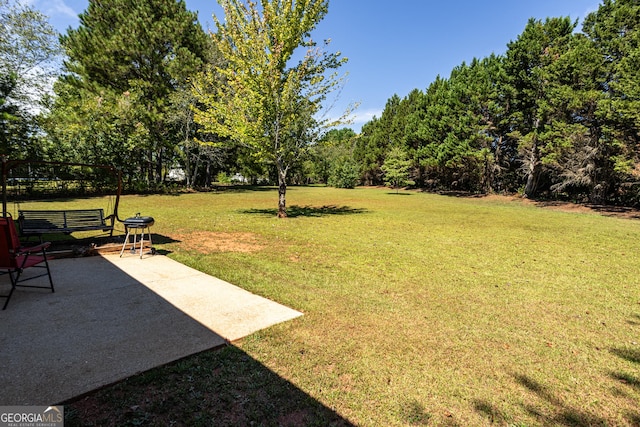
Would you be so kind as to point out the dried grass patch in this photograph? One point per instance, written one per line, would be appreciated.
(208, 242)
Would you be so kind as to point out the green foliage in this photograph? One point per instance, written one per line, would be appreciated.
(345, 173)
(115, 104)
(396, 169)
(28, 54)
(8, 115)
(375, 139)
(260, 97)
(29, 51)
(145, 89)
(525, 67)
(323, 157)
(223, 178)
(556, 116)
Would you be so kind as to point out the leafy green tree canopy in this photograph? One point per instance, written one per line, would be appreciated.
(29, 51)
(29, 54)
(263, 97)
(125, 61)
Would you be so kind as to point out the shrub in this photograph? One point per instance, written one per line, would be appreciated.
(344, 173)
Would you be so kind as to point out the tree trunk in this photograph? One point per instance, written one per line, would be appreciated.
(194, 176)
(282, 192)
(207, 175)
(159, 159)
(149, 167)
(533, 175)
(187, 167)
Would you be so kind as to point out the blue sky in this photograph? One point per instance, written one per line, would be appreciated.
(394, 47)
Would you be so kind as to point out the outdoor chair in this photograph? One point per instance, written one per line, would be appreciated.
(15, 258)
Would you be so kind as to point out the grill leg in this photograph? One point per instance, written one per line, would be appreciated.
(126, 240)
(151, 249)
(141, 241)
(137, 241)
(148, 239)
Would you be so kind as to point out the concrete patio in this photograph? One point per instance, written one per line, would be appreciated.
(113, 317)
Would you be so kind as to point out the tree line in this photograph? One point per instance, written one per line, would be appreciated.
(144, 88)
(141, 86)
(558, 115)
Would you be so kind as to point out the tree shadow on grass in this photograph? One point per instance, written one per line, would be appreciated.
(223, 387)
(635, 321)
(309, 211)
(239, 188)
(461, 194)
(627, 379)
(414, 413)
(490, 411)
(62, 242)
(565, 415)
(631, 355)
(614, 211)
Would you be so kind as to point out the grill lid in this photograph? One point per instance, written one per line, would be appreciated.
(139, 221)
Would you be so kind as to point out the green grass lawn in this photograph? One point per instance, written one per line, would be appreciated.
(419, 310)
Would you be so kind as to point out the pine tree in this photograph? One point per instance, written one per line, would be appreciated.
(125, 60)
(527, 65)
(396, 169)
(615, 31)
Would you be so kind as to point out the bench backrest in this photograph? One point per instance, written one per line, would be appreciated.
(65, 220)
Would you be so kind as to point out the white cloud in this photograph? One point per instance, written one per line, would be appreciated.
(56, 8)
(60, 14)
(359, 118)
(587, 11)
(362, 117)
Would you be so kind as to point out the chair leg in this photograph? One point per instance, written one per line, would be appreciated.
(15, 281)
(13, 288)
(46, 263)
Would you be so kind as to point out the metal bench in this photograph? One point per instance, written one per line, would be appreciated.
(63, 221)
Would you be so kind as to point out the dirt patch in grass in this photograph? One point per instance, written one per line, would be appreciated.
(606, 210)
(613, 211)
(207, 242)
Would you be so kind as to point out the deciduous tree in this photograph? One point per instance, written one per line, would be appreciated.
(29, 55)
(268, 96)
(29, 51)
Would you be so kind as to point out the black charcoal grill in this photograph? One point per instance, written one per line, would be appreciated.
(138, 223)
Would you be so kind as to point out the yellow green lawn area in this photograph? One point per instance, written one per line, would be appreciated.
(419, 309)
